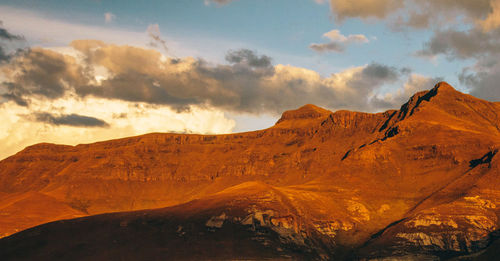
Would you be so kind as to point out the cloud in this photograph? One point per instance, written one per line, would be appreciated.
(364, 8)
(248, 57)
(62, 121)
(109, 17)
(70, 120)
(338, 42)
(249, 83)
(40, 72)
(423, 14)
(482, 79)
(415, 83)
(6, 36)
(462, 44)
(153, 31)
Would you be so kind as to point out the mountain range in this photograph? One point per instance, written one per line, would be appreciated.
(418, 183)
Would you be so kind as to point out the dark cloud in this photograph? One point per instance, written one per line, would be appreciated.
(74, 120)
(373, 75)
(249, 83)
(6, 36)
(42, 73)
(462, 44)
(248, 57)
(382, 72)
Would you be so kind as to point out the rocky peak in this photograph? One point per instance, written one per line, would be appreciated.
(443, 95)
(308, 111)
(444, 87)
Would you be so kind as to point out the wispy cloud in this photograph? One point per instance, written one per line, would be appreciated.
(153, 31)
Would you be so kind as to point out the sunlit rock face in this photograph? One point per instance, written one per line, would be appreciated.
(418, 183)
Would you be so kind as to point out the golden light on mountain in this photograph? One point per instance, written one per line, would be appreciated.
(421, 182)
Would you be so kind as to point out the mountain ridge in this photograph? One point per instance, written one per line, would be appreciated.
(420, 181)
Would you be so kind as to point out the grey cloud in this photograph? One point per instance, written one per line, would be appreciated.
(6, 36)
(483, 79)
(44, 73)
(328, 47)
(249, 83)
(373, 75)
(3, 54)
(74, 120)
(380, 72)
(248, 57)
(414, 84)
(462, 44)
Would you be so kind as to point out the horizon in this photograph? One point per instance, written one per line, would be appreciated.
(235, 133)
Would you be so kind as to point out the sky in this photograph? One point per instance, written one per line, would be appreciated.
(82, 71)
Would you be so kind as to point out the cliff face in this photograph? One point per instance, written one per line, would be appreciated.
(418, 182)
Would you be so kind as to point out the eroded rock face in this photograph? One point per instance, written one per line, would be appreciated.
(422, 182)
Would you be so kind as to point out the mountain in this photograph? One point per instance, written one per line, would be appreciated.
(418, 183)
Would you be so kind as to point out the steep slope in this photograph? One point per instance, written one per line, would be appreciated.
(419, 182)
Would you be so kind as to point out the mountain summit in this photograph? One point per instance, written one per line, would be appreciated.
(421, 182)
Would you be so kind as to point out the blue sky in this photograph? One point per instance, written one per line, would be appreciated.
(220, 66)
(282, 29)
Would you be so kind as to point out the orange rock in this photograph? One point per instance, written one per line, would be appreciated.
(424, 178)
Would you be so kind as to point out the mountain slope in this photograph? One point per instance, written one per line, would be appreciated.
(419, 182)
